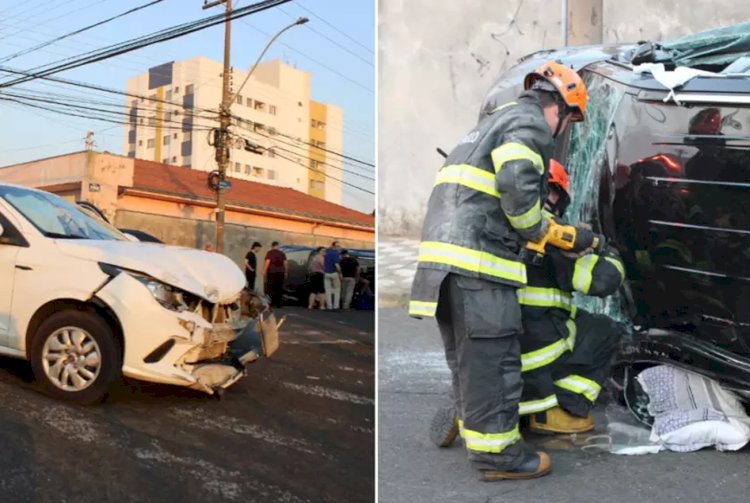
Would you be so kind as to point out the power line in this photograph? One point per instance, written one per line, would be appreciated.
(240, 119)
(323, 65)
(144, 41)
(332, 26)
(303, 155)
(51, 19)
(76, 32)
(342, 47)
(324, 174)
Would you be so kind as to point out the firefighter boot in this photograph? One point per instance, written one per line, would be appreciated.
(444, 426)
(558, 420)
(535, 464)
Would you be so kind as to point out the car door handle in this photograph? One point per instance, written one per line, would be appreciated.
(24, 267)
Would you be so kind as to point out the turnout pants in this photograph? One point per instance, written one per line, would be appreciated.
(573, 380)
(480, 324)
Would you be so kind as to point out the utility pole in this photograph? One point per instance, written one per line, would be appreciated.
(222, 139)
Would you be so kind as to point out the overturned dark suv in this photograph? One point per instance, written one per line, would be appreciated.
(665, 175)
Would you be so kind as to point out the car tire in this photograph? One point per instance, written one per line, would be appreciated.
(76, 357)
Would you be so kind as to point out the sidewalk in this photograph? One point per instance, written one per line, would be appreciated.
(397, 262)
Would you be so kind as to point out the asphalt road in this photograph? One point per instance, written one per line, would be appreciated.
(298, 428)
(414, 379)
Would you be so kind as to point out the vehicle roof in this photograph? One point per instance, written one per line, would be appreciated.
(623, 73)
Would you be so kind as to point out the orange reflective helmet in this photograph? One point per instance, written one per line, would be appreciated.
(566, 82)
(559, 178)
(558, 175)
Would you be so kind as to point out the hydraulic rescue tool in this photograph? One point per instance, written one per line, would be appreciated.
(565, 237)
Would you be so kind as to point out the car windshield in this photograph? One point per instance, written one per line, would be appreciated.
(57, 218)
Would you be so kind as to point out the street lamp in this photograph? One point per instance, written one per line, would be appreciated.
(222, 146)
(299, 21)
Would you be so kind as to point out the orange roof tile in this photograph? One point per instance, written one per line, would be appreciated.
(165, 178)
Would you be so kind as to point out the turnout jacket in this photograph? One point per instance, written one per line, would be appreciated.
(486, 203)
(549, 318)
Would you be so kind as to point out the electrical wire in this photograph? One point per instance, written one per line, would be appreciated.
(332, 26)
(323, 65)
(342, 47)
(140, 42)
(76, 32)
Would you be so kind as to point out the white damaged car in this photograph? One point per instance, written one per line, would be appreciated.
(85, 304)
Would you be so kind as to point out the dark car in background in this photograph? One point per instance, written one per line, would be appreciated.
(297, 286)
(665, 175)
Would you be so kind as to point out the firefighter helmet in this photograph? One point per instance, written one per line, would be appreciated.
(566, 82)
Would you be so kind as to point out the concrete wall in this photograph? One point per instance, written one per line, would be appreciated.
(238, 238)
(438, 59)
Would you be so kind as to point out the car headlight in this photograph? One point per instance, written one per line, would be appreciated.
(168, 296)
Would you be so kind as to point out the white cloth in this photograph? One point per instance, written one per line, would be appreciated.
(672, 79)
(692, 412)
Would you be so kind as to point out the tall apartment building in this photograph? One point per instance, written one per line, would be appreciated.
(296, 134)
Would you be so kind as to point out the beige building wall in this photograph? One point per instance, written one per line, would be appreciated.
(273, 110)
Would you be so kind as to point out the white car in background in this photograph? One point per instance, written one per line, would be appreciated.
(85, 304)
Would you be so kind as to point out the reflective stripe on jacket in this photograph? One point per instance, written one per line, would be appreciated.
(486, 203)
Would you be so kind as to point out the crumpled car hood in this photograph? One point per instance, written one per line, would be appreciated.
(211, 276)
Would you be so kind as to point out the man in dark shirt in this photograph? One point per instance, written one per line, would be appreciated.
(350, 275)
(251, 265)
(275, 270)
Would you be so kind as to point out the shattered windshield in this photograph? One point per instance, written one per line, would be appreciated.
(57, 218)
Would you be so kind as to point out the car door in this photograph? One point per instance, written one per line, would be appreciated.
(10, 243)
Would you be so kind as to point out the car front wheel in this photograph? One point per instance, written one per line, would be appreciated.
(75, 357)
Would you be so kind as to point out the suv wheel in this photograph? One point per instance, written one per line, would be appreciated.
(75, 357)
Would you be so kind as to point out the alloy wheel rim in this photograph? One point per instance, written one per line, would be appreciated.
(71, 359)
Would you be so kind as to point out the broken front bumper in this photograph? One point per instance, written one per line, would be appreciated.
(183, 348)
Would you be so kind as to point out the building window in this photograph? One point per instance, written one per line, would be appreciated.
(140, 143)
(260, 106)
(272, 109)
(168, 96)
(150, 143)
(236, 167)
(152, 121)
(134, 104)
(187, 136)
(239, 99)
(186, 160)
(189, 89)
(166, 140)
(176, 113)
(247, 169)
(313, 164)
(270, 153)
(177, 90)
(272, 130)
(258, 128)
(258, 171)
(174, 159)
(249, 102)
(316, 185)
(299, 103)
(168, 117)
(174, 136)
(313, 123)
(140, 121)
(165, 160)
(271, 174)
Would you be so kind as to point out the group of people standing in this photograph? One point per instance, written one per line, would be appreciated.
(334, 273)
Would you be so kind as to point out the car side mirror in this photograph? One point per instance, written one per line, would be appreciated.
(132, 238)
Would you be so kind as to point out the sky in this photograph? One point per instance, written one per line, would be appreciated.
(336, 46)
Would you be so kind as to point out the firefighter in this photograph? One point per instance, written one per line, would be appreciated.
(566, 353)
(484, 207)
